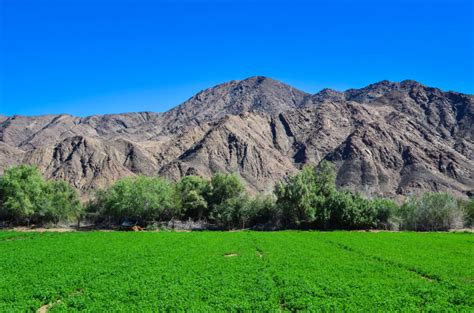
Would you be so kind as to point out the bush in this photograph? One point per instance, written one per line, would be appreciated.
(342, 210)
(468, 208)
(310, 199)
(28, 198)
(299, 199)
(61, 203)
(264, 211)
(234, 212)
(22, 189)
(303, 199)
(226, 197)
(351, 211)
(224, 187)
(431, 212)
(138, 199)
(192, 193)
(385, 211)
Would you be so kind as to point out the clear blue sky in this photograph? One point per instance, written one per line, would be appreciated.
(87, 57)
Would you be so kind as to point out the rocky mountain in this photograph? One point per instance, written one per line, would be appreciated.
(389, 138)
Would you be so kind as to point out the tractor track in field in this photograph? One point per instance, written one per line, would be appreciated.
(277, 281)
(392, 263)
(13, 239)
(16, 238)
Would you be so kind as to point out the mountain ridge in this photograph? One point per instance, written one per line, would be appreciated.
(388, 138)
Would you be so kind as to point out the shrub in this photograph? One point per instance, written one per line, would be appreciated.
(22, 189)
(385, 210)
(191, 193)
(468, 208)
(351, 211)
(226, 196)
(234, 212)
(27, 197)
(244, 211)
(298, 198)
(139, 199)
(264, 210)
(61, 202)
(310, 199)
(224, 187)
(303, 199)
(431, 212)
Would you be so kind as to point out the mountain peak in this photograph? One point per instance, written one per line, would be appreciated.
(257, 78)
(256, 93)
(262, 82)
(409, 83)
(328, 94)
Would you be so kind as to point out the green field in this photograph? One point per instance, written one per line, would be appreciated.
(236, 271)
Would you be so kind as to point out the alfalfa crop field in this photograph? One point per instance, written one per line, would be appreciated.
(236, 271)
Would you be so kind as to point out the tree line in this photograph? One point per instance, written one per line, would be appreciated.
(308, 200)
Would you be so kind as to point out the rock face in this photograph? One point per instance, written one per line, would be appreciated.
(388, 138)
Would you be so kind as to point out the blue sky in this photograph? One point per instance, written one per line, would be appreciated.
(87, 57)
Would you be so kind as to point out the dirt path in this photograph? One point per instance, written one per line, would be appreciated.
(43, 230)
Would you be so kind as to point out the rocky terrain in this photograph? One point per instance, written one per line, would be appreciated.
(388, 138)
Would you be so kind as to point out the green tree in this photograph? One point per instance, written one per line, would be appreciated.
(385, 210)
(140, 199)
(431, 212)
(223, 187)
(22, 193)
(311, 199)
(233, 212)
(264, 210)
(191, 192)
(468, 208)
(298, 198)
(62, 202)
(226, 198)
(96, 208)
(27, 197)
(325, 179)
(303, 198)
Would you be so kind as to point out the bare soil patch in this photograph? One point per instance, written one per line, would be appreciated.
(463, 230)
(45, 308)
(229, 255)
(43, 230)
